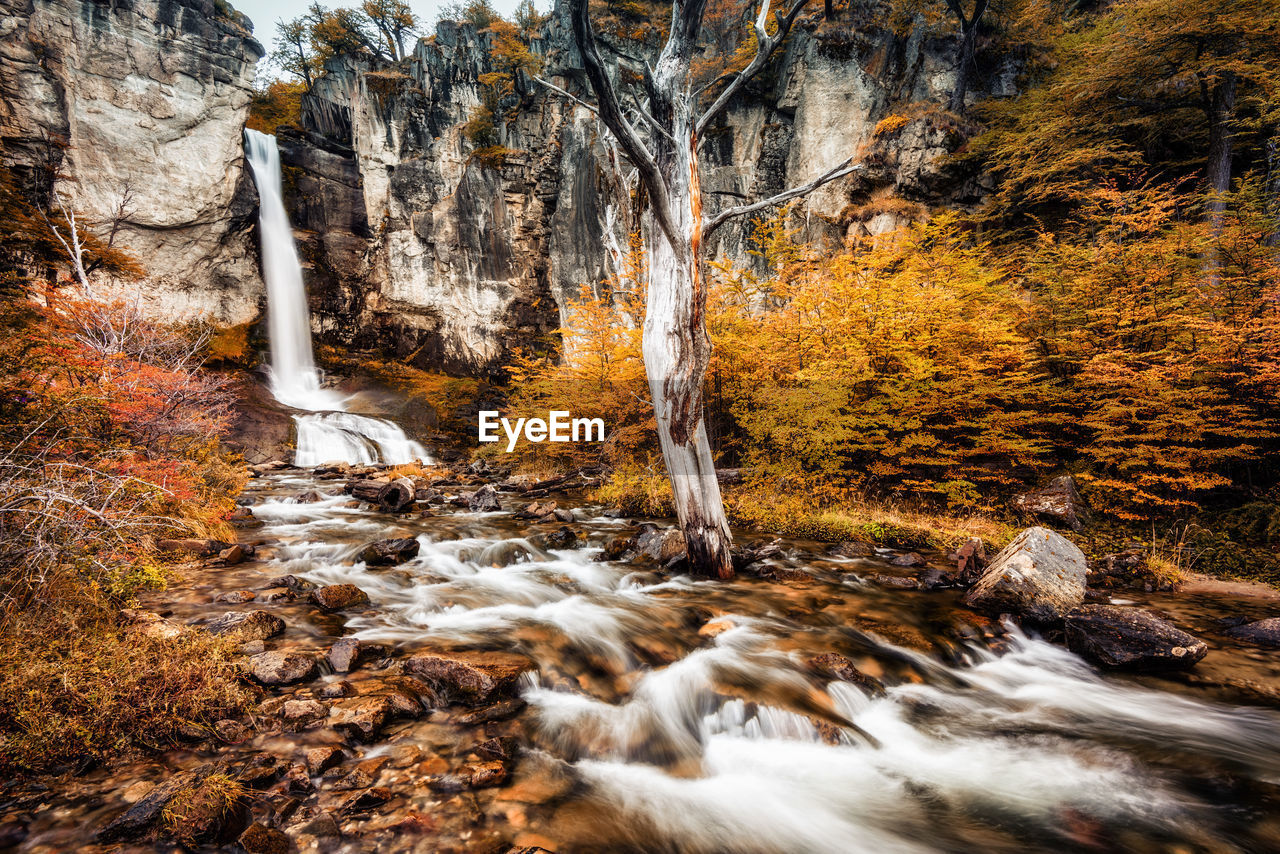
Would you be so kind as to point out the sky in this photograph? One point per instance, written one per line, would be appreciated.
(265, 13)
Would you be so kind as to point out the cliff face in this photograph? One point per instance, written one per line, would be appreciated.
(446, 259)
(143, 103)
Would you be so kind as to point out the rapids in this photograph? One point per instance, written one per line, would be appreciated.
(682, 714)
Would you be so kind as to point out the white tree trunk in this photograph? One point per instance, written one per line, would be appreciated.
(677, 351)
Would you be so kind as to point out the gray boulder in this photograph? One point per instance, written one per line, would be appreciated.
(1263, 632)
(1040, 574)
(1130, 638)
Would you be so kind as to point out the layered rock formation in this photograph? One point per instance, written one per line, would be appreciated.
(140, 107)
(435, 256)
(416, 247)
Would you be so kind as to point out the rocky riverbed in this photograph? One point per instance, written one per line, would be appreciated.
(497, 666)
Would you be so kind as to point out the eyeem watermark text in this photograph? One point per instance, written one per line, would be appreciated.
(559, 427)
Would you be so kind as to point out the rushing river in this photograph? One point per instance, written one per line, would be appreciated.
(669, 714)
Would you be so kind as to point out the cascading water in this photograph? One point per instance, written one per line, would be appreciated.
(331, 434)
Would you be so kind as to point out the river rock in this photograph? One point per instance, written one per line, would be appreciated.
(389, 552)
(282, 668)
(260, 839)
(1040, 574)
(971, 559)
(347, 653)
(1263, 632)
(484, 500)
(299, 713)
(851, 548)
(1059, 500)
(562, 538)
(321, 759)
(235, 597)
(1130, 638)
(339, 597)
(248, 625)
(143, 816)
(361, 718)
(908, 559)
(370, 799)
(469, 678)
(660, 544)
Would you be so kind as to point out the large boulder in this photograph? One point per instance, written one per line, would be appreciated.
(1041, 574)
(339, 597)
(1130, 638)
(1263, 632)
(1058, 500)
(389, 552)
(470, 678)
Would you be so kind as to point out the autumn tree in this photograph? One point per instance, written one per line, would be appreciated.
(657, 129)
(1176, 85)
(394, 21)
(294, 53)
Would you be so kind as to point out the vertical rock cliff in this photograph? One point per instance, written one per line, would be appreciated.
(140, 106)
(432, 253)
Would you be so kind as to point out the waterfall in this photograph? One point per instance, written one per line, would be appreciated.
(330, 433)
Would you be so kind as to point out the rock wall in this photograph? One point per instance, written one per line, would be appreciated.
(433, 255)
(142, 104)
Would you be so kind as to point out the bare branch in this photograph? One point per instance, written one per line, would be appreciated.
(765, 46)
(572, 97)
(611, 114)
(845, 168)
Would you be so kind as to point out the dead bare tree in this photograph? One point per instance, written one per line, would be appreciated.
(658, 129)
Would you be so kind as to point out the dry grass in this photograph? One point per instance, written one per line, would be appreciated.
(76, 688)
(196, 813)
(797, 515)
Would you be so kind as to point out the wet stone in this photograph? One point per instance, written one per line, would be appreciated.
(361, 718)
(321, 759)
(260, 839)
(339, 597)
(1130, 638)
(298, 713)
(337, 690)
(389, 552)
(282, 668)
(469, 678)
(1261, 632)
(369, 799)
(235, 597)
(248, 625)
(908, 559)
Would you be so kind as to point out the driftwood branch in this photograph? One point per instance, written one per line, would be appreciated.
(765, 46)
(846, 168)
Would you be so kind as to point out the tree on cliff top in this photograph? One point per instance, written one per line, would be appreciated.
(657, 128)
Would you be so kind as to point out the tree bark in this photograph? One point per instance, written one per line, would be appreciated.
(966, 51)
(1220, 108)
(677, 351)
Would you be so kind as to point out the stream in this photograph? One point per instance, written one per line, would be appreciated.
(668, 714)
